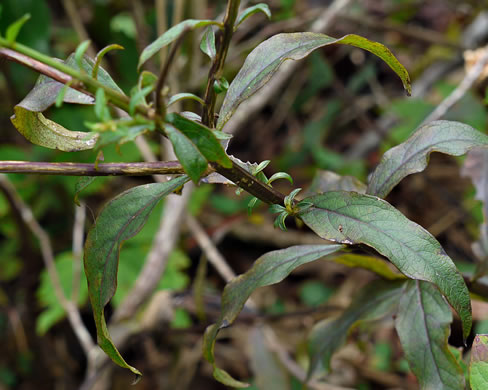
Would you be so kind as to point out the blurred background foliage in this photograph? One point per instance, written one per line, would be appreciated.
(339, 112)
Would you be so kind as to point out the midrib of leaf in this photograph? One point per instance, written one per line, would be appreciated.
(116, 243)
(366, 224)
(261, 275)
(418, 152)
(426, 328)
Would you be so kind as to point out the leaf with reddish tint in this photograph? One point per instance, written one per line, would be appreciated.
(423, 324)
(352, 218)
(121, 218)
(478, 367)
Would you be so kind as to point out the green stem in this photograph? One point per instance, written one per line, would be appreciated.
(88, 83)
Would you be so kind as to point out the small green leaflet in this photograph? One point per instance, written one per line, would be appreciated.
(14, 29)
(41, 131)
(202, 137)
(264, 8)
(266, 58)
(423, 324)
(412, 156)
(207, 44)
(372, 302)
(194, 163)
(478, 367)
(121, 218)
(352, 218)
(172, 35)
(269, 269)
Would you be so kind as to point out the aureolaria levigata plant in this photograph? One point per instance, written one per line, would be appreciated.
(419, 295)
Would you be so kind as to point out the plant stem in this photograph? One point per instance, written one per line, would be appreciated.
(83, 169)
(215, 72)
(85, 82)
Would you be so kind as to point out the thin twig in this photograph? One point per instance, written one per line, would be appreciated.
(87, 169)
(210, 250)
(74, 17)
(78, 235)
(48, 257)
(460, 91)
(162, 24)
(159, 105)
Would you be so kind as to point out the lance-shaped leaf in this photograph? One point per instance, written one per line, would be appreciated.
(269, 269)
(476, 167)
(193, 162)
(266, 58)
(372, 302)
(411, 156)
(172, 35)
(207, 44)
(122, 218)
(478, 367)
(202, 137)
(41, 131)
(261, 7)
(423, 324)
(352, 218)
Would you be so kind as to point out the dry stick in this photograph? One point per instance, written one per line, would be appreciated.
(78, 238)
(249, 108)
(162, 24)
(48, 257)
(460, 91)
(87, 169)
(74, 17)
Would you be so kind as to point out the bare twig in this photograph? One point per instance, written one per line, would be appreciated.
(78, 235)
(48, 257)
(74, 18)
(208, 247)
(159, 105)
(85, 169)
(460, 91)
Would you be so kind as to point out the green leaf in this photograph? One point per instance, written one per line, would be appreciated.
(280, 175)
(447, 137)
(193, 162)
(423, 324)
(370, 263)
(202, 137)
(41, 131)
(271, 268)
(207, 45)
(100, 55)
(181, 96)
(80, 53)
(261, 7)
(265, 60)
(172, 35)
(122, 218)
(352, 218)
(81, 184)
(372, 302)
(14, 29)
(139, 97)
(478, 367)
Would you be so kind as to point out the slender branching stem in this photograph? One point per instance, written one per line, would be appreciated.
(163, 76)
(215, 72)
(85, 169)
